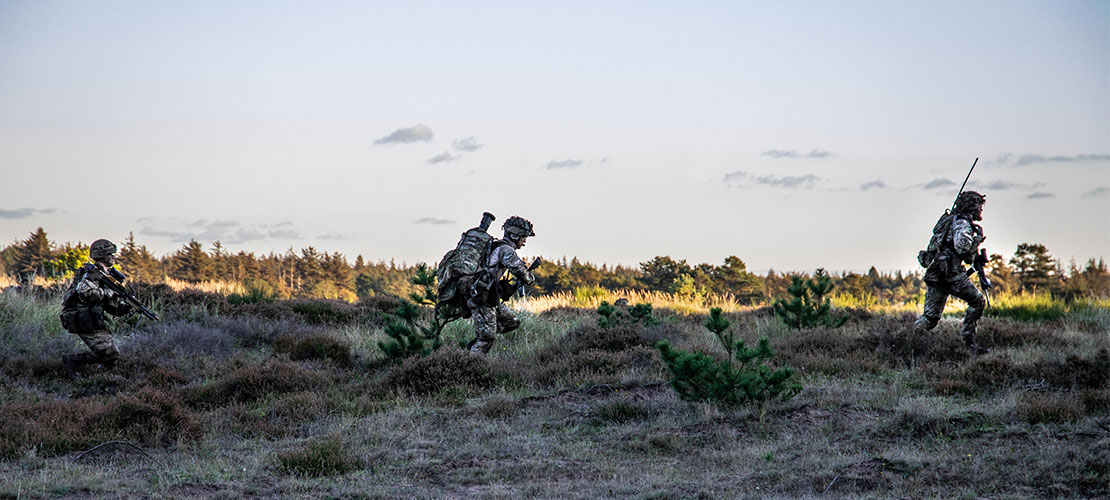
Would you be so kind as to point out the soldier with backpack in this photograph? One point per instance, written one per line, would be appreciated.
(956, 239)
(85, 304)
(471, 280)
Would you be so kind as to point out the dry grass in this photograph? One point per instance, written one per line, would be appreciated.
(593, 297)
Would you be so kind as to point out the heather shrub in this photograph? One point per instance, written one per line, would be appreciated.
(498, 406)
(589, 337)
(1074, 372)
(51, 427)
(1012, 333)
(315, 347)
(54, 427)
(621, 411)
(279, 416)
(1049, 407)
(319, 458)
(1095, 401)
(591, 364)
(325, 312)
(895, 339)
(443, 369)
(255, 381)
(151, 416)
(828, 351)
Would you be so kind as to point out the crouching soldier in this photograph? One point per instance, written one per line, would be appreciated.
(85, 304)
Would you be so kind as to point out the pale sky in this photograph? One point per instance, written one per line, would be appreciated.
(794, 135)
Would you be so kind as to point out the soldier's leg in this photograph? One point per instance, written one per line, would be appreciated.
(103, 348)
(485, 329)
(935, 297)
(506, 321)
(964, 290)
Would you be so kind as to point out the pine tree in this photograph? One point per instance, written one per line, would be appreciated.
(408, 336)
(33, 253)
(191, 263)
(743, 378)
(1035, 268)
(808, 307)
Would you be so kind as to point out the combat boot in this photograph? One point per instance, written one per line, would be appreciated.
(480, 347)
(974, 347)
(71, 362)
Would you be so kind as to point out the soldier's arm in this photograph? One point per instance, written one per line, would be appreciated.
(511, 261)
(89, 291)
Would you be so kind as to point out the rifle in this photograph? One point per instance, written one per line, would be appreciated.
(113, 280)
(506, 288)
(984, 280)
(522, 290)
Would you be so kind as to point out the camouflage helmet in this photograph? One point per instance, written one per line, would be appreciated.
(101, 249)
(518, 226)
(969, 201)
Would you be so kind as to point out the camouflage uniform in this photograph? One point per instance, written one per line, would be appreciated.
(84, 307)
(946, 275)
(489, 314)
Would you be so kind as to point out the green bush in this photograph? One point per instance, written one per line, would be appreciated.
(410, 337)
(611, 315)
(809, 307)
(743, 378)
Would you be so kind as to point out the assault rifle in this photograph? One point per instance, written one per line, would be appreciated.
(506, 288)
(522, 290)
(984, 280)
(114, 281)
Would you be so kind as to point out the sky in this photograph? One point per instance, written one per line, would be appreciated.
(794, 135)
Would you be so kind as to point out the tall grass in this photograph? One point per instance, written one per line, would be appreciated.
(1045, 307)
(591, 297)
(220, 287)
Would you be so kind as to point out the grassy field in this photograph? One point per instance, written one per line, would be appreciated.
(293, 399)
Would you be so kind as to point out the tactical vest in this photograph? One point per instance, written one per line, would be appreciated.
(77, 317)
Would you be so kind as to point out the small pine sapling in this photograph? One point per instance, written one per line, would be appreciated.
(808, 308)
(611, 315)
(743, 378)
(408, 337)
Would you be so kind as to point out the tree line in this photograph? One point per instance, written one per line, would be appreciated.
(313, 273)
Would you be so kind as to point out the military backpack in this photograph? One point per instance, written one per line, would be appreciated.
(940, 240)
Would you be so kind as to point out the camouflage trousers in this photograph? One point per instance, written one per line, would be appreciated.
(488, 322)
(936, 296)
(102, 345)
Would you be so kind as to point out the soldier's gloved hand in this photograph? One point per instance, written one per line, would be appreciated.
(980, 259)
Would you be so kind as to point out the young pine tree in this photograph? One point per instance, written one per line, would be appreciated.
(808, 308)
(408, 335)
(743, 378)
